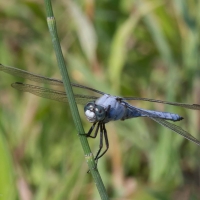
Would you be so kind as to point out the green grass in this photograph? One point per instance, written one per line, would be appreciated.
(140, 48)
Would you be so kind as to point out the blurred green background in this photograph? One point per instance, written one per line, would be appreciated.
(129, 48)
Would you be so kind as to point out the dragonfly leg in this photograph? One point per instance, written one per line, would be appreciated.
(103, 134)
(90, 131)
(96, 131)
(106, 141)
(101, 142)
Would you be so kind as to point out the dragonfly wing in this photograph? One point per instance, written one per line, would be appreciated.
(30, 76)
(184, 105)
(52, 94)
(176, 129)
(40, 79)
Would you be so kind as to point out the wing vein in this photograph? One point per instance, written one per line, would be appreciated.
(184, 105)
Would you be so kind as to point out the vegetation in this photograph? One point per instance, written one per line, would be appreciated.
(127, 48)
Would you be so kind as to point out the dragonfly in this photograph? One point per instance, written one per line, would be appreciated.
(101, 110)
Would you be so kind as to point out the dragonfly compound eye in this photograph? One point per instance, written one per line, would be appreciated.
(90, 106)
(89, 112)
(100, 112)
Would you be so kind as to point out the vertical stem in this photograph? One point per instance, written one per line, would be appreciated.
(74, 110)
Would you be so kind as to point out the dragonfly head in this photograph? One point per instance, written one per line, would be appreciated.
(94, 113)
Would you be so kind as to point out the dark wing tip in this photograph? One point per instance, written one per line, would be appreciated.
(17, 83)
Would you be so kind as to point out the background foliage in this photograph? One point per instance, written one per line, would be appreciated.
(127, 48)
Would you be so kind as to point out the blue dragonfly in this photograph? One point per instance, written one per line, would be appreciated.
(103, 109)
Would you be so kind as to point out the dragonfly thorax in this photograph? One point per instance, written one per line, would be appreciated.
(94, 113)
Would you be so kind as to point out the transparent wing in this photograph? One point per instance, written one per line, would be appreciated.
(184, 105)
(165, 123)
(52, 81)
(52, 94)
(40, 79)
(176, 129)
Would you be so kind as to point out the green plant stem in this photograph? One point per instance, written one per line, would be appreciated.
(74, 110)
